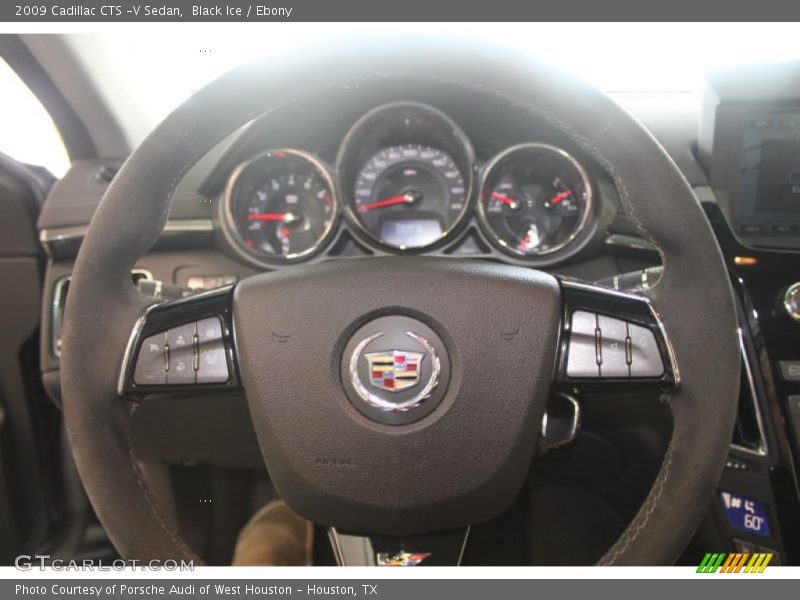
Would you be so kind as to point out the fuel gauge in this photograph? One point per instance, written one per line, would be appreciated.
(535, 200)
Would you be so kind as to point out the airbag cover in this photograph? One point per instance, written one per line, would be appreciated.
(462, 463)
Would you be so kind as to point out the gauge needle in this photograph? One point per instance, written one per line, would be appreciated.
(407, 198)
(284, 235)
(559, 197)
(267, 216)
(289, 218)
(505, 199)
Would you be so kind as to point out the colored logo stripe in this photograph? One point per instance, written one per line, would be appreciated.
(735, 562)
(710, 563)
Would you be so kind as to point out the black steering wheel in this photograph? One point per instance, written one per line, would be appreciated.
(453, 448)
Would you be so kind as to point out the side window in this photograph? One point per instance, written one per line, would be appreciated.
(27, 133)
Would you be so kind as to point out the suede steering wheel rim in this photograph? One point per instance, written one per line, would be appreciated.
(693, 297)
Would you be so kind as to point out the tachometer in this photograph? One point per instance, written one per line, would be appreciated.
(279, 207)
(535, 199)
(405, 172)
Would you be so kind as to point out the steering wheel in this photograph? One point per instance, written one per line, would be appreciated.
(453, 446)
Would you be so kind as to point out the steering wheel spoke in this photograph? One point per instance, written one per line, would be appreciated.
(612, 340)
(182, 346)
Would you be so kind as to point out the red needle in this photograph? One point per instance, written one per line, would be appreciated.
(559, 197)
(266, 216)
(504, 199)
(384, 202)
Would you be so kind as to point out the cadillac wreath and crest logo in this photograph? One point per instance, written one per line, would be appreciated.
(395, 379)
(394, 370)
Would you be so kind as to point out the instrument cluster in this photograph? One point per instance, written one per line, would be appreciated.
(406, 181)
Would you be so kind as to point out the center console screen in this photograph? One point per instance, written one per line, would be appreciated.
(779, 177)
(769, 177)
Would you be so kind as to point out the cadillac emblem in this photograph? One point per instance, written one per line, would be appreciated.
(395, 379)
(394, 370)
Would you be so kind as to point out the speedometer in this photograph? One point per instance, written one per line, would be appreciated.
(405, 174)
(409, 196)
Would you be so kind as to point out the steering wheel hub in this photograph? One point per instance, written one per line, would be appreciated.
(387, 373)
(395, 370)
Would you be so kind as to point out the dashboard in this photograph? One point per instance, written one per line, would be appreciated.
(405, 178)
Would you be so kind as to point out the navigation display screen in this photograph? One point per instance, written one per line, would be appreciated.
(779, 177)
(768, 203)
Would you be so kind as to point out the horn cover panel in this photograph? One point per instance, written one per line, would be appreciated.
(461, 463)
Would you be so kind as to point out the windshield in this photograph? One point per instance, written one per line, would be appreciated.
(146, 73)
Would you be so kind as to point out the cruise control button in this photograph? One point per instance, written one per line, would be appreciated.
(150, 364)
(645, 355)
(180, 366)
(582, 352)
(612, 347)
(209, 330)
(212, 363)
(181, 337)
